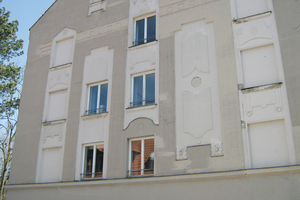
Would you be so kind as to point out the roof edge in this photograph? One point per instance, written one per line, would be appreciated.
(42, 15)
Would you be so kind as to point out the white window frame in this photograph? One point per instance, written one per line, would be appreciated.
(142, 139)
(86, 112)
(94, 160)
(145, 28)
(144, 88)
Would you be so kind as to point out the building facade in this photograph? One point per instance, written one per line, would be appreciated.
(160, 99)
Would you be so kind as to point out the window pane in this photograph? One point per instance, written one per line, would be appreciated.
(136, 157)
(151, 29)
(103, 98)
(99, 160)
(93, 100)
(88, 162)
(140, 30)
(149, 156)
(150, 89)
(137, 91)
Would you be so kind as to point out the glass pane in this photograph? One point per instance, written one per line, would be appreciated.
(88, 166)
(140, 31)
(136, 157)
(99, 160)
(93, 100)
(137, 91)
(151, 29)
(103, 98)
(150, 89)
(149, 156)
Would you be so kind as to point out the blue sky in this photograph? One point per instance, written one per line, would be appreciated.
(27, 12)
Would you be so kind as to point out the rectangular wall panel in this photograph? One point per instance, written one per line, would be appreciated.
(57, 105)
(63, 52)
(250, 7)
(268, 144)
(259, 66)
(50, 170)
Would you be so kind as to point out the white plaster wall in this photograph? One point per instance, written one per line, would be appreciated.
(63, 53)
(51, 165)
(250, 7)
(259, 62)
(268, 144)
(259, 66)
(141, 59)
(56, 105)
(63, 47)
(97, 5)
(98, 68)
(197, 94)
(97, 64)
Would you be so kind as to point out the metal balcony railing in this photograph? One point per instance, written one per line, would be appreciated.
(141, 172)
(102, 109)
(142, 103)
(91, 175)
(143, 41)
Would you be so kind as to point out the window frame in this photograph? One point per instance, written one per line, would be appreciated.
(145, 18)
(144, 74)
(142, 170)
(98, 110)
(83, 166)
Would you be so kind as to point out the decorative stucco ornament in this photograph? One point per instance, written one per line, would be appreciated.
(181, 154)
(196, 81)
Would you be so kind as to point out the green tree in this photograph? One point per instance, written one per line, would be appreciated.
(10, 84)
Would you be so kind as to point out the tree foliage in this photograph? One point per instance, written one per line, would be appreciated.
(10, 85)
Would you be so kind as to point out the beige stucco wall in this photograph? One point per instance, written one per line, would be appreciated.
(288, 21)
(274, 184)
(77, 19)
(217, 13)
(60, 15)
(278, 183)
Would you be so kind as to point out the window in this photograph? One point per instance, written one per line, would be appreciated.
(97, 99)
(93, 161)
(141, 158)
(143, 90)
(145, 30)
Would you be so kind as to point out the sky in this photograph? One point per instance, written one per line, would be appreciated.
(27, 12)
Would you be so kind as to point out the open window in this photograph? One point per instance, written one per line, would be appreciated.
(141, 156)
(145, 30)
(97, 99)
(143, 90)
(93, 161)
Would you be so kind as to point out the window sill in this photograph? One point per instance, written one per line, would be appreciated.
(96, 2)
(96, 115)
(143, 45)
(261, 88)
(252, 17)
(139, 108)
(92, 179)
(54, 122)
(61, 66)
